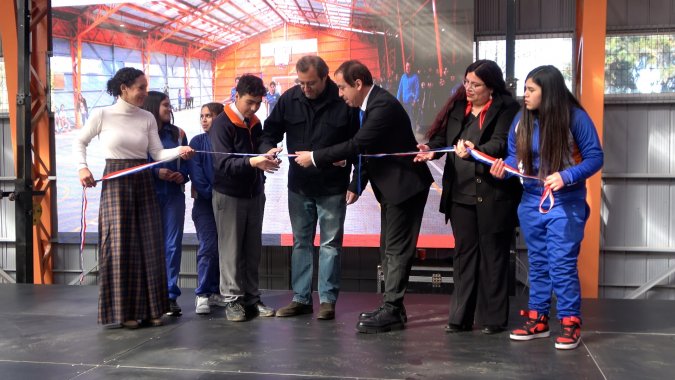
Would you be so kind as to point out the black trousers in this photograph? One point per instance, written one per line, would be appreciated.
(400, 228)
(480, 271)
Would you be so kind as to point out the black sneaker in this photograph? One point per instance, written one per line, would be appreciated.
(369, 314)
(234, 312)
(174, 309)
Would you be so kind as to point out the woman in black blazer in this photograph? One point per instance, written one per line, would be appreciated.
(481, 209)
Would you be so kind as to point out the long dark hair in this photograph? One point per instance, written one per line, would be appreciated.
(554, 114)
(489, 72)
(151, 104)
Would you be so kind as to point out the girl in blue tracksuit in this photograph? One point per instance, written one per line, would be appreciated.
(201, 175)
(170, 179)
(553, 139)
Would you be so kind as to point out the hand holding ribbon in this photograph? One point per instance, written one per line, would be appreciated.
(462, 148)
(186, 152)
(554, 181)
(304, 158)
(424, 155)
(498, 169)
(86, 178)
(266, 163)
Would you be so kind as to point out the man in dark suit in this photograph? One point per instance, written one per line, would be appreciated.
(400, 185)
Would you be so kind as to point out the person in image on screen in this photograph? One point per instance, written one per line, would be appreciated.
(480, 208)
(555, 140)
(132, 269)
(272, 97)
(409, 92)
(170, 179)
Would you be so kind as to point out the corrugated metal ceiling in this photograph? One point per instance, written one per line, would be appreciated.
(215, 24)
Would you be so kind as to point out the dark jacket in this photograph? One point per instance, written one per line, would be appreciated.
(386, 129)
(496, 200)
(233, 175)
(163, 187)
(308, 128)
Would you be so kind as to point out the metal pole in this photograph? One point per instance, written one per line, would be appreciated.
(400, 34)
(24, 181)
(438, 39)
(511, 81)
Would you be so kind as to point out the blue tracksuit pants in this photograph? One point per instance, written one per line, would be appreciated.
(553, 243)
(208, 274)
(172, 206)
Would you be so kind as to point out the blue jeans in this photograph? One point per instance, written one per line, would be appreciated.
(172, 206)
(305, 211)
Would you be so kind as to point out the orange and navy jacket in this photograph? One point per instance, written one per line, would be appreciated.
(233, 174)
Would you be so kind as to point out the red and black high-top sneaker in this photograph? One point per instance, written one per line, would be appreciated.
(570, 336)
(535, 327)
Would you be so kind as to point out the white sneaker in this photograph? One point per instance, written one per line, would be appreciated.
(202, 305)
(217, 300)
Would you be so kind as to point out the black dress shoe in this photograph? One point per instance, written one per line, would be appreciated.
(368, 314)
(382, 321)
(452, 328)
(489, 330)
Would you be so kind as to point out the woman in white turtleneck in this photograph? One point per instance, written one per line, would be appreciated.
(132, 278)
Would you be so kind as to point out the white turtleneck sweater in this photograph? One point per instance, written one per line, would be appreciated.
(125, 131)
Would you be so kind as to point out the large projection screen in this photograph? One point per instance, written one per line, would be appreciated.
(455, 25)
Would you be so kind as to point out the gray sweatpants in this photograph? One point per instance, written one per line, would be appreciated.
(239, 223)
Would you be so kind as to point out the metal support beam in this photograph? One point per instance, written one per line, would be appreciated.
(24, 168)
(76, 60)
(43, 150)
(400, 35)
(25, 31)
(511, 80)
(591, 27)
(103, 14)
(438, 39)
(651, 283)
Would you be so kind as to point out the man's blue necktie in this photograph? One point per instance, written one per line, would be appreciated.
(358, 174)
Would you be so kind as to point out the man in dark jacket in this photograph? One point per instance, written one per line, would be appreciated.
(400, 185)
(312, 116)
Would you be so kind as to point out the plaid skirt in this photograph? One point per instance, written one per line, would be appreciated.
(132, 268)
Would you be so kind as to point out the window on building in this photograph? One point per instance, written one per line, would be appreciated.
(4, 103)
(640, 64)
(530, 53)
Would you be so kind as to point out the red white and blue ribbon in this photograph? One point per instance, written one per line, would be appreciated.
(449, 149)
(489, 160)
(113, 175)
(415, 153)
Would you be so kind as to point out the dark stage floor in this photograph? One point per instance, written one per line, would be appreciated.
(50, 332)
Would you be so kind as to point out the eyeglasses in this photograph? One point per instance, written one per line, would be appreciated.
(472, 85)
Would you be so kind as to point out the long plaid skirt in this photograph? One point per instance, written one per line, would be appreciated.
(132, 268)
